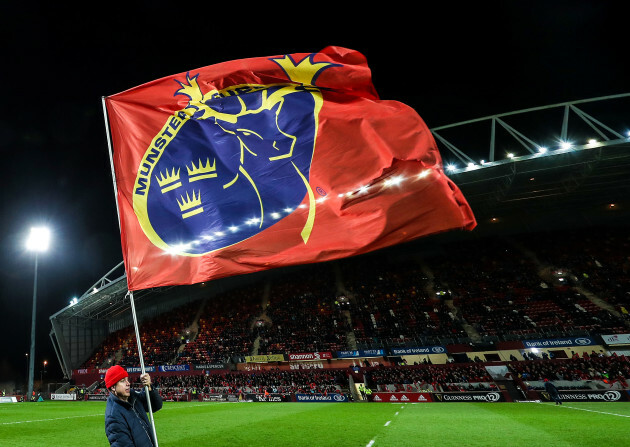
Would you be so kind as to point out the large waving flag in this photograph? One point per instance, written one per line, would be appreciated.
(267, 162)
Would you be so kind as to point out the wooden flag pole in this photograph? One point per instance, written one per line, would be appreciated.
(129, 292)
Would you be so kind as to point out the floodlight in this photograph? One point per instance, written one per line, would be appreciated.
(38, 239)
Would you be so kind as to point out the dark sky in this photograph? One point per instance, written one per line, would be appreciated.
(450, 62)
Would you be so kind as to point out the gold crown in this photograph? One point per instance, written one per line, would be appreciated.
(169, 180)
(198, 173)
(189, 203)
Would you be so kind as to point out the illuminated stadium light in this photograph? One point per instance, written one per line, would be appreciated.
(510, 155)
(74, 301)
(233, 229)
(219, 233)
(275, 215)
(483, 162)
(542, 150)
(565, 145)
(470, 165)
(451, 168)
(38, 239)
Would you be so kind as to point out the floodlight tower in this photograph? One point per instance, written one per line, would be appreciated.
(38, 241)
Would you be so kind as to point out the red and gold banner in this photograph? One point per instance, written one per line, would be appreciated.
(268, 162)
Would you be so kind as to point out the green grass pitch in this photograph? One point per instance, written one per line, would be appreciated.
(330, 424)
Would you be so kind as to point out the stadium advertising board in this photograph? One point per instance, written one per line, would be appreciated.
(264, 358)
(616, 339)
(129, 369)
(269, 398)
(138, 369)
(214, 397)
(7, 399)
(559, 342)
(57, 396)
(310, 356)
(418, 350)
(167, 368)
(587, 396)
(206, 366)
(478, 396)
(401, 397)
(309, 365)
(364, 353)
(321, 397)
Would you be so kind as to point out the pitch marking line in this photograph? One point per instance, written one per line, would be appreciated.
(372, 441)
(595, 411)
(52, 419)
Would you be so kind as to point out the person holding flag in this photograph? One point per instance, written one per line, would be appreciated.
(126, 422)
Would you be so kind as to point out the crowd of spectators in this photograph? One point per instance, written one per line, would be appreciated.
(224, 327)
(598, 258)
(394, 303)
(594, 366)
(430, 378)
(522, 287)
(324, 381)
(301, 315)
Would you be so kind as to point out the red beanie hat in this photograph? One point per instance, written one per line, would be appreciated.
(114, 374)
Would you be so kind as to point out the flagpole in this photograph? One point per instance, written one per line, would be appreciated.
(141, 357)
(129, 292)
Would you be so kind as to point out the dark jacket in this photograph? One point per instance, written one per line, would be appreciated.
(551, 388)
(126, 423)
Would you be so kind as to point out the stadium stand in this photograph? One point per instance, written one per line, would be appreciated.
(500, 294)
(467, 297)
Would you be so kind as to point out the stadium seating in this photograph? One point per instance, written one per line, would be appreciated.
(556, 284)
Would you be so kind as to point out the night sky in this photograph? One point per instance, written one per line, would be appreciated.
(449, 62)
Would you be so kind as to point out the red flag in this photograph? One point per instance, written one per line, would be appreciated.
(267, 162)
